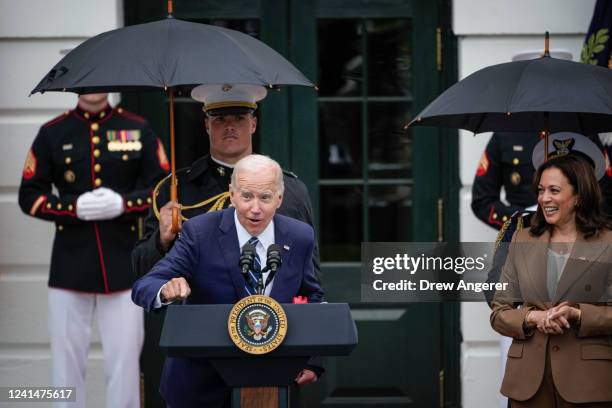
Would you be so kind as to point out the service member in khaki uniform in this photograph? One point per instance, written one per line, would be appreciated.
(103, 163)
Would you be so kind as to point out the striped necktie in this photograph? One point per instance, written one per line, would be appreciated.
(255, 272)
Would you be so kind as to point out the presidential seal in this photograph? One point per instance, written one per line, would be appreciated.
(257, 324)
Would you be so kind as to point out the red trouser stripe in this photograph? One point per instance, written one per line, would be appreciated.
(106, 290)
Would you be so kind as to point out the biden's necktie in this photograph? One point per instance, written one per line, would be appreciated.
(255, 272)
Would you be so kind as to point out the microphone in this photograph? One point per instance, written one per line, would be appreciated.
(273, 262)
(247, 256)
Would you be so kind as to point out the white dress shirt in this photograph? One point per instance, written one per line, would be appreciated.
(266, 238)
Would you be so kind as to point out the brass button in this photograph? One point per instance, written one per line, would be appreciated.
(555, 348)
(86, 114)
(70, 207)
(120, 110)
(129, 203)
(133, 228)
(98, 182)
(95, 126)
(97, 167)
(149, 200)
(125, 157)
(97, 153)
(102, 114)
(95, 139)
(48, 205)
(60, 227)
(515, 161)
(494, 216)
(505, 218)
(139, 201)
(59, 206)
(68, 160)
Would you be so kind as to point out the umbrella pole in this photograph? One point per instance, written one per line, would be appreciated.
(173, 189)
(546, 133)
(546, 115)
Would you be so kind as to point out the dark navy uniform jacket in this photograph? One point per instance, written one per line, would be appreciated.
(76, 153)
(505, 162)
(206, 179)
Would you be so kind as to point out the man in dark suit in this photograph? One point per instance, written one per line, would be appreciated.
(230, 112)
(202, 267)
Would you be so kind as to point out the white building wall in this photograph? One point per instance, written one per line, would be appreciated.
(32, 35)
(489, 32)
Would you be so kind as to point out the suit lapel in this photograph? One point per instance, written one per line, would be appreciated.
(535, 269)
(583, 256)
(230, 249)
(282, 238)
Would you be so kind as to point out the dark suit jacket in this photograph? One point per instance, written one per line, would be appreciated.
(581, 357)
(206, 255)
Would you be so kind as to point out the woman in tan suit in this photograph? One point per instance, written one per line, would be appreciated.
(557, 306)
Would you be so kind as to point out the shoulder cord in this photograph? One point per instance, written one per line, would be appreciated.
(219, 201)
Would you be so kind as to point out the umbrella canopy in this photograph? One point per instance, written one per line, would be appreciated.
(544, 94)
(169, 53)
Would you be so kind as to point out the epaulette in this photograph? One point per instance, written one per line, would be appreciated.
(130, 115)
(290, 174)
(57, 119)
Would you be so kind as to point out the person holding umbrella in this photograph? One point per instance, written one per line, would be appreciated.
(103, 162)
(559, 271)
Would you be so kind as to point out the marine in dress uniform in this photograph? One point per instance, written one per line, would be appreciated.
(203, 187)
(506, 162)
(103, 164)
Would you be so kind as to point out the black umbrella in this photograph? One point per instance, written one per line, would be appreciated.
(169, 54)
(544, 94)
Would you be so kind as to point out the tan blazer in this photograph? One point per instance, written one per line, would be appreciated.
(581, 357)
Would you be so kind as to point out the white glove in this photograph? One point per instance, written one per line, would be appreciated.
(100, 204)
(532, 208)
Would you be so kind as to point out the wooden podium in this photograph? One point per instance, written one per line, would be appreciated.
(259, 381)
